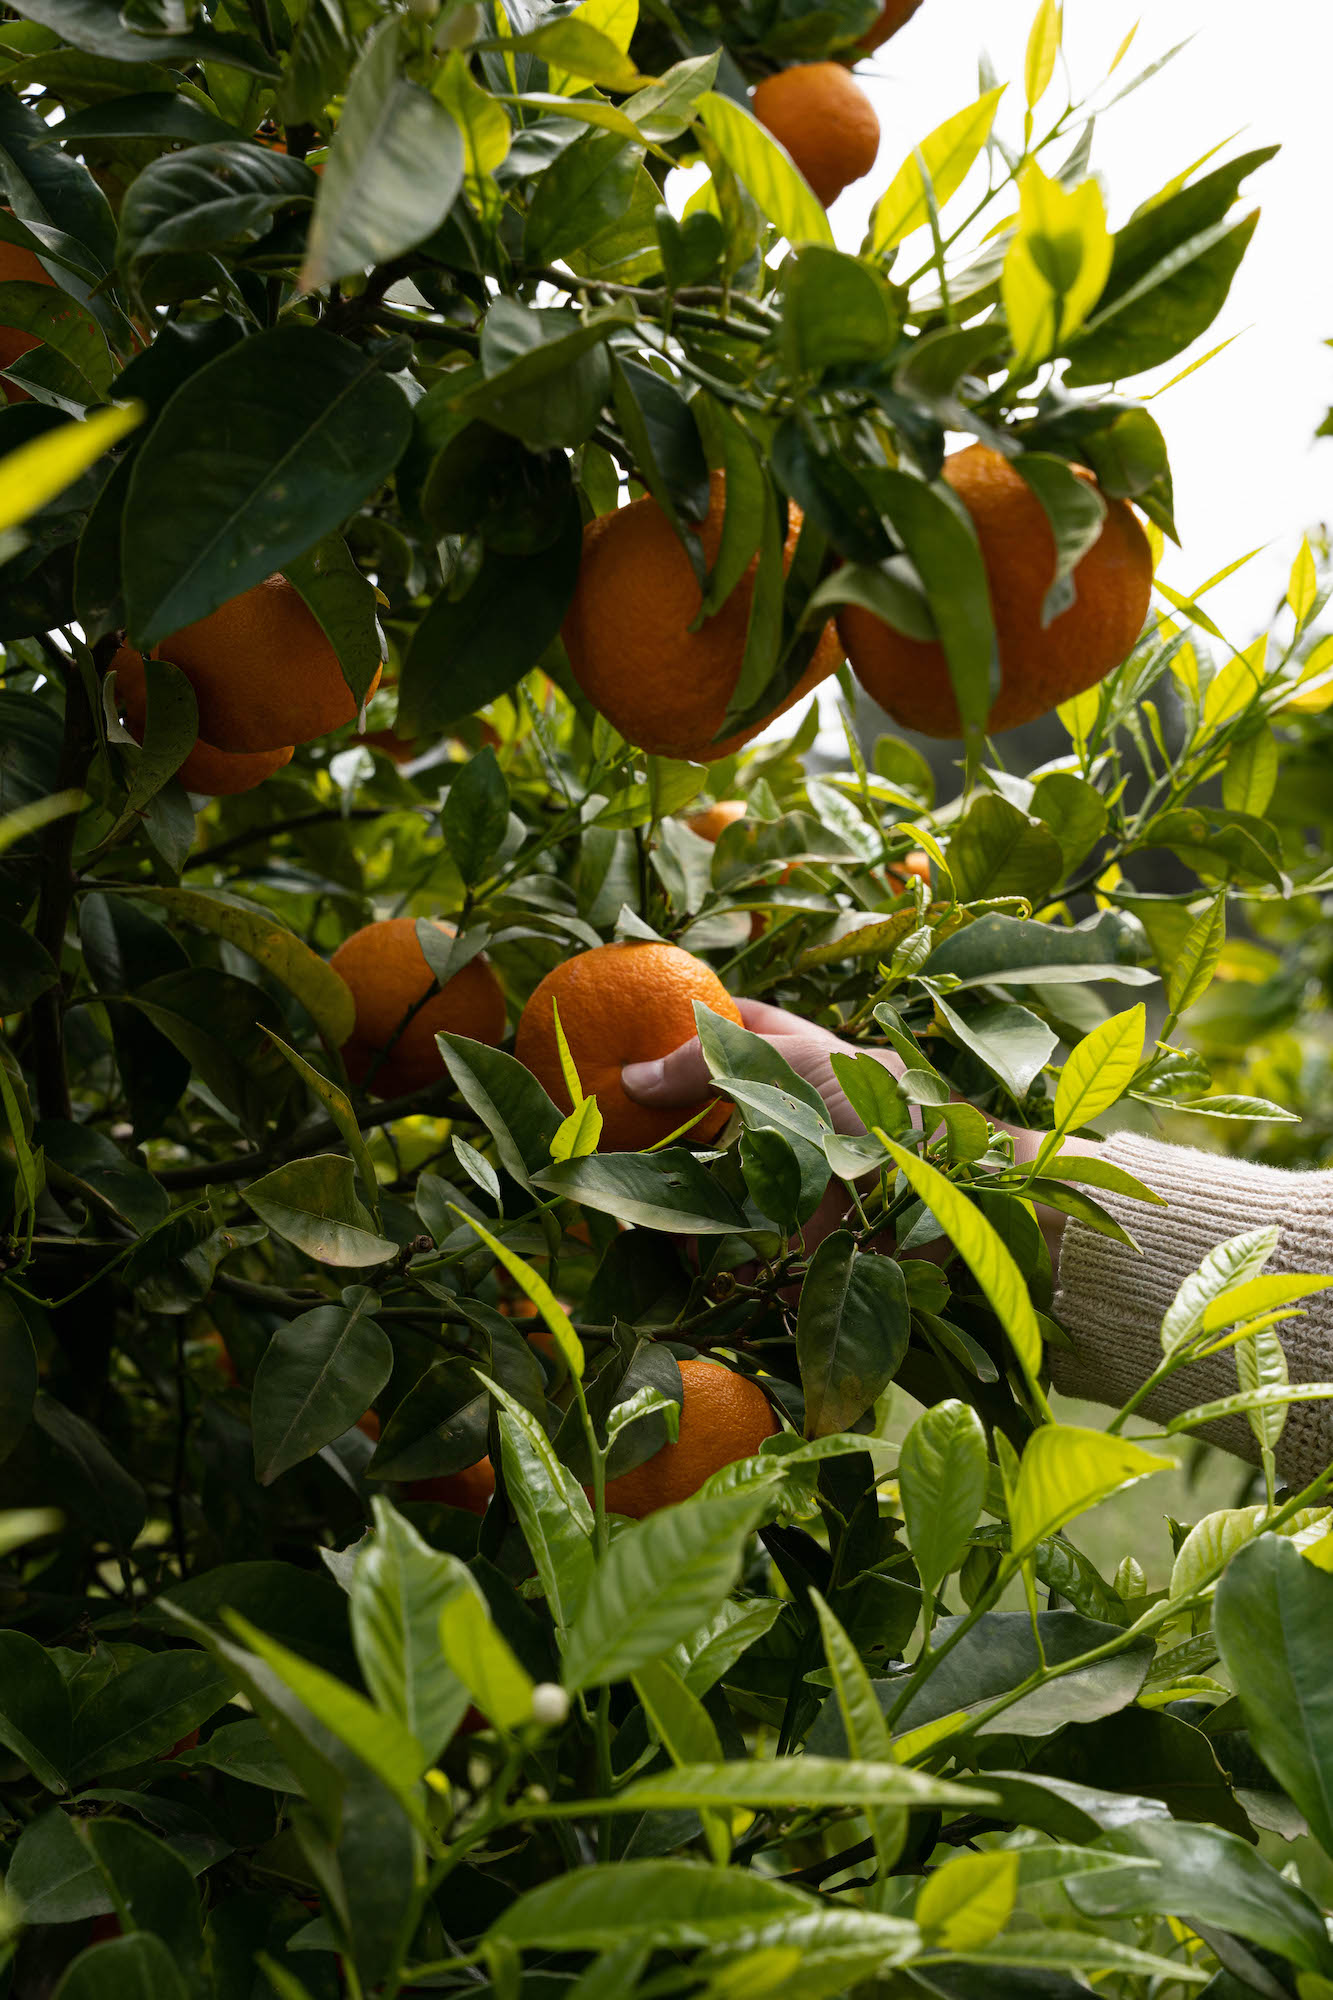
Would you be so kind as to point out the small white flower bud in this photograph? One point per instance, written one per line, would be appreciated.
(550, 1704)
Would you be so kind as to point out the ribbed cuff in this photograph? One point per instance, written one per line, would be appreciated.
(1111, 1299)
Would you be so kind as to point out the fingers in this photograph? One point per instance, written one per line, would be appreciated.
(775, 1023)
(680, 1078)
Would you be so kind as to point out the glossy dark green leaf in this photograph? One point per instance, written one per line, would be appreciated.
(661, 430)
(254, 458)
(937, 535)
(1269, 1615)
(345, 604)
(88, 1164)
(1160, 315)
(27, 968)
(476, 815)
(393, 171)
(1153, 1753)
(772, 1174)
(146, 1710)
(155, 1886)
(44, 184)
(998, 1655)
(149, 114)
(320, 62)
(586, 190)
(317, 1376)
(1016, 951)
(851, 1332)
(996, 850)
(94, 1483)
(469, 649)
(18, 1374)
(547, 373)
(34, 1709)
(66, 329)
(208, 198)
(438, 1428)
(304, 1608)
(52, 1874)
(483, 481)
(314, 1204)
(95, 25)
(837, 312)
(593, 1909)
(670, 1190)
(215, 1019)
(508, 1100)
(1012, 1041)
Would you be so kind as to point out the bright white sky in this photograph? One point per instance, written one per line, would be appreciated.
(1240, 431)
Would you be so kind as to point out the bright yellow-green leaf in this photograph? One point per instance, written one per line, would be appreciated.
(920, 837)
(1313, 692)
(983, 1251)
(616, 19)
(1235, 687)
(1098, 1070)
(767, 169)
(484, 1661)
(947, 154)
(568, 1067)
(1303, 587)
(1201, 361)
(1191, 971)
(580, 1133)
(1258, 1295)
(1123, 50)
(1079, 715)
(46, 465)
(1066, 1470)
(537, 1289)
(28, 819)
(1056, 266)
(969, 1900)
(1043, 48)
(483, 123)
(325, 996)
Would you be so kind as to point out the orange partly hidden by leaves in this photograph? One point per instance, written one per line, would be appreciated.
(1038, 668)
(263, 672)
(713, 821)
(724, 1417)
(821, 115)
(916, 863)
(16, 263)
(217, 773)
(893, 15)
(627, 633)
(623, 1003)
(386, 969)
(471, 1489)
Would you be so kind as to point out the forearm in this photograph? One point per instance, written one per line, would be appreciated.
(1111, 1299)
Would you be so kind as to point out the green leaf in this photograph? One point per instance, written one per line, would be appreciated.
(1099, 1070)
(671, 1190)
(475, 817)
(1076, 512)
(317, 1375)
(137, 1967)
(982, 1250)
(947, 154)
(1165, 311)
(483, 1660)
(851, 1332)
(1258, 1295)
(1013, 951)
(996, 850)
(1013, 1042)
(938, 536)
(1078, 1951)
(34, 1709)
(339, 1108)
(656, 1583)
(1191, 970)
(393, 170)
(551, 1509)
(969, 1900)
(1231, 1265)
(680, 1903)
(93, 1166)
(52, 1874)
(307, 977)
(255, 457)
(838, 312)
(208, 198)
(1056, 265)
(867, 1733)
(586, 190)
(1065, 1471)
(942, 1486)
(537, 1289)
(1074, 810)
(713, 1650)
(18, 1374)
(581, 50)
(155, 1886)
(345, 603)
(1043, 47)
(313, 1204)
(508, 1100)
(767, 170)
(145, 1710)
(1270, 1618)
(781, 1781)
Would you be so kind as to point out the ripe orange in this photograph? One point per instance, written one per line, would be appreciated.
(724, 1417)
(218, 773)
(629, 641)
(18, 263)
(893, 15)
(263, 672)
(917, 863)
(1038, 669)
(622, 1003)
(820, 113)
(369, 1424)
(387, 972)
(471, 1489)
(712, 822)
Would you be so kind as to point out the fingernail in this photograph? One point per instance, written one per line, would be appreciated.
(641, 1079)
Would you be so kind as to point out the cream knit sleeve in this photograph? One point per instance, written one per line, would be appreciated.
(1111, 1299)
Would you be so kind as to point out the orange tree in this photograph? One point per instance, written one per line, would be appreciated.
(453, 1532)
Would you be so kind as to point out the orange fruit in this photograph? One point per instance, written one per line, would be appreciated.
(629, 641)
(263, 672)
(821, 115)
(387, 972)
(916, 863)
(1038, 668)
(622, 1003)
(712, 822)
(471, 1489)
(18, 263)
(369, 1423)
(218, 773)
(211, 1347)
(893, 15)
(724, 1417)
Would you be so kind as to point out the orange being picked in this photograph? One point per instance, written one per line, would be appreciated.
(627, 632)
(470, 1489)
(623, 1003)
(263, 672)
(825, 121)
(386, 969)
(894, 14)
(1038, 668)
(217, 773)
(724, 1417)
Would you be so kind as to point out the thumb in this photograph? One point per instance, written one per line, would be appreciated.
(680, 1078)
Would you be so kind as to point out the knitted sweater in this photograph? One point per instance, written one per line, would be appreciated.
(1111, 1299)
